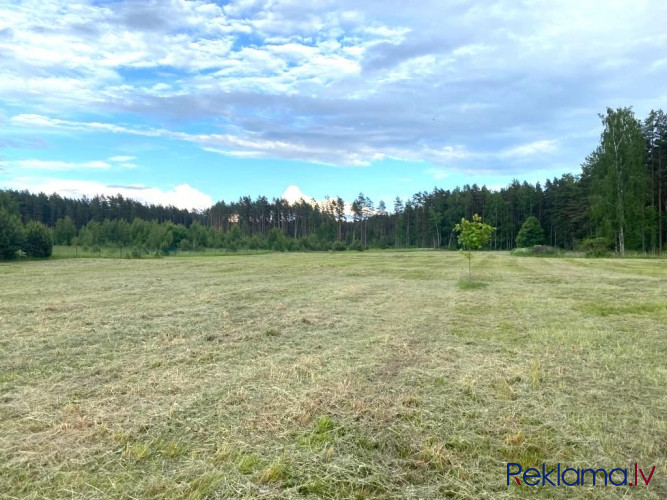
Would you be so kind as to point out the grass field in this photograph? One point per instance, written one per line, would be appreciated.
(365, 375)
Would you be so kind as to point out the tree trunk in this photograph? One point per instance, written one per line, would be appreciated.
(660, 207)
(659, 219)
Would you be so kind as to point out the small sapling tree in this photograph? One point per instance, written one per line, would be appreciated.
(473, 235)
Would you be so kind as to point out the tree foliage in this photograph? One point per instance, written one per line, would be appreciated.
(530, 234)
(473, 235)
(11, 229)
(11, 234)
(618, 199)
(37, 242)
(64, 231)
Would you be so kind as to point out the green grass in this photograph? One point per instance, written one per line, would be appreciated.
(328, 375)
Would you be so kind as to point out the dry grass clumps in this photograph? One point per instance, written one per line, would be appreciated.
(348, 375)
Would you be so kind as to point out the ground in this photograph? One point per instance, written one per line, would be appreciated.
(347, 375)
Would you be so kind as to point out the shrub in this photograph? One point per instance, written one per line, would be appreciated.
(339, 246)
(11, 234)
(356, 245)
(37, 242)
(277, 241)
(596, 247)
(257, 243)
(530, 234)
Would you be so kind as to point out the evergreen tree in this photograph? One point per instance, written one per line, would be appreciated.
(530, 234)
(11, 234)
(11, 228)
(37, 241)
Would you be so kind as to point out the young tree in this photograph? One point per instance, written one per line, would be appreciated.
(37, 241)
(530, 234)
(11, 234)
(473, 235)
(398, 211)
(339, 210)
(64, 231)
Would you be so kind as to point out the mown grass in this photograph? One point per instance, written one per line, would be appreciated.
(351, 375)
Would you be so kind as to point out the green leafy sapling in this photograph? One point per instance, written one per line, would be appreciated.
(473, 235)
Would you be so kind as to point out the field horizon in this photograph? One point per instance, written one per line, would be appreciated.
(383, 374)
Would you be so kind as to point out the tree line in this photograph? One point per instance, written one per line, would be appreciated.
(618, 200)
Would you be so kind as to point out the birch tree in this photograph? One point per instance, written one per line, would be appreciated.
(619, 177)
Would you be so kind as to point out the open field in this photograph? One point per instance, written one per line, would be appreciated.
(365, 375)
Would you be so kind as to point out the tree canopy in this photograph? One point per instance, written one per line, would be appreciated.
(530, 234)
(473, 235)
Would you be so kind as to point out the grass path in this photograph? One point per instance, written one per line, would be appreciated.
(344, 375)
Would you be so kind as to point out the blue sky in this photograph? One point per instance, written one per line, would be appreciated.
(190, 102)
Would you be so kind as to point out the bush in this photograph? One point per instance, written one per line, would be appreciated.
(339, 246)
(257, 243)
(383, 243)
(356, 245)
(37, 242)
(596, 247)
(277, 241)
(11, 234)
(530, 234)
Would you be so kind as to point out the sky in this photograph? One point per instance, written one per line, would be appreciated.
(191, 102)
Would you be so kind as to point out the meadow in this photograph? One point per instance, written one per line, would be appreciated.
(329, 375)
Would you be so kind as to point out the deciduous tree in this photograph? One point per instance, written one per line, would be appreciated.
(473, 235)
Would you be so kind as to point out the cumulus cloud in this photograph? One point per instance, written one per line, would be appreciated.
(293, 194)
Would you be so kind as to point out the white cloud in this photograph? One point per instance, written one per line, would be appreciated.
(236, 154)
(437, 173)
(530, 149)
(293, 194)
(121, 159)
(54, 165)
(343, 83)
(181, 196)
